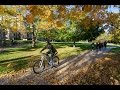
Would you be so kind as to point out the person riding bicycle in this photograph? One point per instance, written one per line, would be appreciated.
(51, 50)
(92, 45)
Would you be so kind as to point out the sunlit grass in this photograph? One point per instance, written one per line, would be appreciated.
(17, 54)
(15, 59)
(68, 51)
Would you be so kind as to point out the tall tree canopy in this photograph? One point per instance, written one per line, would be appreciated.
(83, 20)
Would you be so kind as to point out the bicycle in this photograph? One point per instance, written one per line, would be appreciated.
(39, 66)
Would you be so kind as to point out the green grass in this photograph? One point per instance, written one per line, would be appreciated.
(23, 56)
(15, 59)
(114, 50)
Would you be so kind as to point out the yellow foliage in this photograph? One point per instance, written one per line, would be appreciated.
(44, 25)
(61, 8)
(87, 8)
(1, 9)
(59, 24)
(48, 13)
(98, 7)
(86, 22)
(62, 11)
(76, 15)
(14, 28)
(33, 9)
(30, 18)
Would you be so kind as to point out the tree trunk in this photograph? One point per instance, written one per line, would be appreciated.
(4, 41)
(33, 37)
(11, 37)
(33, 41)
(74, 44)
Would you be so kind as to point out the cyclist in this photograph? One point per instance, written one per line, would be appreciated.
(51, 50)
(105, 44)
(92, 45)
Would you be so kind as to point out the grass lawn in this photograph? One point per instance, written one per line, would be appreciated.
(116, 50)
(17, 58)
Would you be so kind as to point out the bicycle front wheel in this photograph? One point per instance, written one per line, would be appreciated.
(39, 66)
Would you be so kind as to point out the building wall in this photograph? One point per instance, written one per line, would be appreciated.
(2, 36)
(8, 35)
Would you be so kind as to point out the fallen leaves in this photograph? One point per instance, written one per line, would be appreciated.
(105, 71)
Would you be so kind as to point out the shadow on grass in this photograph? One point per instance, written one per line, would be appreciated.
(25, 47)
(14, 50)
(16, 59)
(19, 63)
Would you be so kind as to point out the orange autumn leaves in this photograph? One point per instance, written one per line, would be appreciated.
(48, 18)
(30, 18)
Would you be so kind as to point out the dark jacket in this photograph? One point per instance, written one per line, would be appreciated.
(50, 47)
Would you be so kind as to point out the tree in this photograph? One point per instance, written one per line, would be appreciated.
(38, 13)
(6, 18)
(86, 19)
(113, 27)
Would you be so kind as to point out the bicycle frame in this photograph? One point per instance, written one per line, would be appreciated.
(45, 56)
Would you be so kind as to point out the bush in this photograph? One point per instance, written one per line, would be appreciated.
(22, 42)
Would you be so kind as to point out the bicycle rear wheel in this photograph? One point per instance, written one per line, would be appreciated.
(39, 66)
(56, 60)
